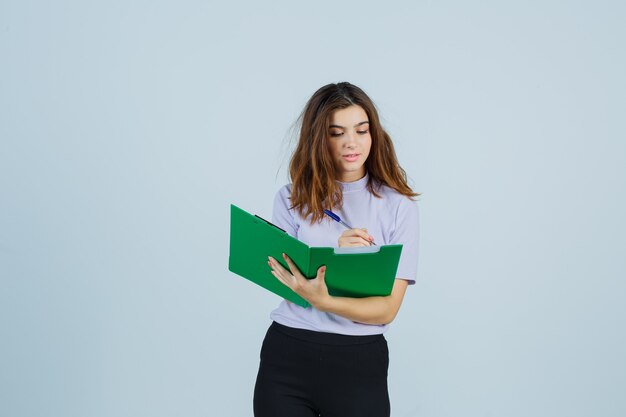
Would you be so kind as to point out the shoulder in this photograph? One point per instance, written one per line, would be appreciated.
(282, 214)
(395, 199)
(401, 209)
(285, 190)
(283, 194)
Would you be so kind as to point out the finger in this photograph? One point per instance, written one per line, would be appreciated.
(278, 268)
(347, 233)
(354, 232)
(321, 273)
(281, 279)
(276, 265)
(351, 242)
(280, 272)
(363, 234)
(348, 237)
(369, 238)
(358, 241)
(292, 267)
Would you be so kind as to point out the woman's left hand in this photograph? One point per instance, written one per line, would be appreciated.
(313, 290)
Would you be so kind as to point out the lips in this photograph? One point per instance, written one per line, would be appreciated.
(351, 157)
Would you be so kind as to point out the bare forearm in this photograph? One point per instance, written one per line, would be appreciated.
(369, 310)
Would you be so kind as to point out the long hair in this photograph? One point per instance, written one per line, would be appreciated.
(314, 183)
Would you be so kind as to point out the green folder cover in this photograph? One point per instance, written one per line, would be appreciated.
(350, 272)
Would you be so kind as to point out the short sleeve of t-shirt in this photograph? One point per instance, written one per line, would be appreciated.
(281, 215)
(406, 232)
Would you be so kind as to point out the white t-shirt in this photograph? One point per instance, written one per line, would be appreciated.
(391, 219)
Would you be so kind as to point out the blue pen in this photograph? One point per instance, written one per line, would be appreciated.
(338, 220)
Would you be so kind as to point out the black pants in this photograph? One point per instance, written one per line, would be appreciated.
(306, 373)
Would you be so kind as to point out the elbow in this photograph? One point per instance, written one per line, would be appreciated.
(390, 317)
(390, 312)
(383, 318)
(380, 321)
(387, 316)
(393, 302)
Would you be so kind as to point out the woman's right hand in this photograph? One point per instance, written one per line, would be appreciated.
(355, 237)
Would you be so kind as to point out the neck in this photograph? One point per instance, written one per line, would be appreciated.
(352, 176)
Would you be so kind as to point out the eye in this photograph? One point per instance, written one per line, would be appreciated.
(336, 134)
(362, 132)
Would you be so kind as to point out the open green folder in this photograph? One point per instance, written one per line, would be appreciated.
(350, 272)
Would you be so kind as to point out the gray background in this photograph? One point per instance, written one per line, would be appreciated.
(127, 129)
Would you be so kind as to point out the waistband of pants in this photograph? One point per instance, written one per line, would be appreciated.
(325, 338)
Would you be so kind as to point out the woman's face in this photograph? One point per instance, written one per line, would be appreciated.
(349, 142)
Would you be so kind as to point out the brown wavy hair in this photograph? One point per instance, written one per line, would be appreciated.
(314, 183)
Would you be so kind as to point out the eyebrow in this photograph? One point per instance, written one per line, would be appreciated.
(356, 125)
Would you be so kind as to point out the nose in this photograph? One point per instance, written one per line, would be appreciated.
(350, 142)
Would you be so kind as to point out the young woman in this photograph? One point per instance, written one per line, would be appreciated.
(331, 359)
